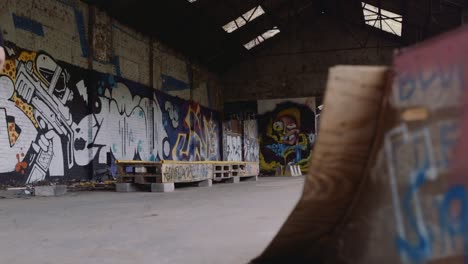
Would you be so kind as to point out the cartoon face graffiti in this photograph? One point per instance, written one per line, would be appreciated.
(286, 136)
(287, 129)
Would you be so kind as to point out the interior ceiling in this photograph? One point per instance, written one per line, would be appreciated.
(195, 29)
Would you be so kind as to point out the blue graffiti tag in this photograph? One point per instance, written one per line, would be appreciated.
(278, 149)
(441, 76)
(447, 141)
(298, 153)
(421, 250)
(455, 225)
(406, 87)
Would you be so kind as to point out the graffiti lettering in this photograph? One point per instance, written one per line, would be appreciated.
(421, 236)
(435, 88)
(448, 135)
(201, 142)
(233, 147)
(178, 174)
(251, 146)
(173, 114)
(186, 172)
(421, 250)
(455, 224)
(65, 120)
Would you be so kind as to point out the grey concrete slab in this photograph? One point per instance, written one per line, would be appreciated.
(126, 187)
(205, 183)
(251, 178)
(50, 191)
(227, 223)
(234, 179)
(162, 187)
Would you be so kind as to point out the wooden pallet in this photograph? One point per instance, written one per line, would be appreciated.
(145, 172)
(138, 171)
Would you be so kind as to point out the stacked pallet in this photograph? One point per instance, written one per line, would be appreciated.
(162, 176)
(138, 171)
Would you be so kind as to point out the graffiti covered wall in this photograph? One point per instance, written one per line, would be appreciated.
(194, 132)
(232, 140)
(286, 132)
(251, 147)
(59, 122)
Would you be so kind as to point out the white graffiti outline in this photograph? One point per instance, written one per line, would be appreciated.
(431, 174)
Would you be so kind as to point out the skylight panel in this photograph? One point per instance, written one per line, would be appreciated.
(261, 38)
(382, 19)
(243, 19)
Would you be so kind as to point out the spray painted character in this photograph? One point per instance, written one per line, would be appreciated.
(36, 98)
(285, 141)
(43, 85)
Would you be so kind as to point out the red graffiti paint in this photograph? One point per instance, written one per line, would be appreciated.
(21, 166)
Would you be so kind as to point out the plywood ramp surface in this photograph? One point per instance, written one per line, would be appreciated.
(349, 121)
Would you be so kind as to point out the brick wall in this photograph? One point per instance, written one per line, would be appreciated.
(60, 27)
(62, 113)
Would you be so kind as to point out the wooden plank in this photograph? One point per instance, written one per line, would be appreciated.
(136, 162)
(348, 124)
(148, 179)
(194, 162)
(129, 175)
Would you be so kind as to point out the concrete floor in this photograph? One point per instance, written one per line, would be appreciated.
(223, 224)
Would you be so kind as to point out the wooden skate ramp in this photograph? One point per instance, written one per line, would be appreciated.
(388, 180)
(348, 127)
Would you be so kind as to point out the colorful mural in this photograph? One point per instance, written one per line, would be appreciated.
(286, 132)
(59, 122)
